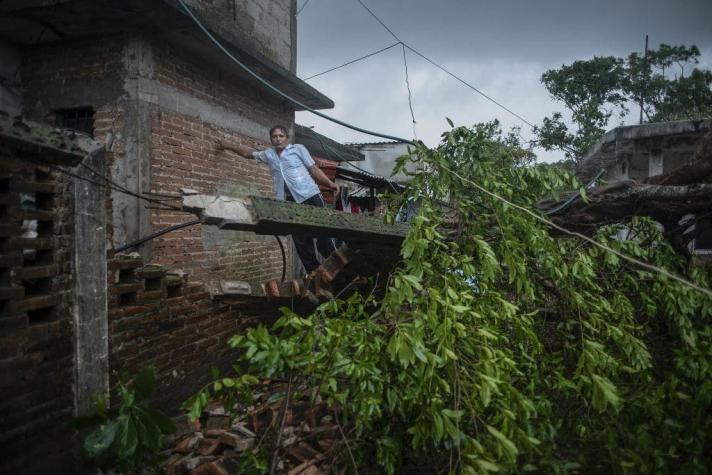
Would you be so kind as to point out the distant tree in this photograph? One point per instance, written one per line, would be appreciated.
(599, 89)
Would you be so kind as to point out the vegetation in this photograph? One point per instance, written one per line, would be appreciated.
(496, 346)
(601, 89)
(130, 434)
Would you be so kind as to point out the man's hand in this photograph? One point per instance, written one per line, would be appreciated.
(239, 149)
(335, 186)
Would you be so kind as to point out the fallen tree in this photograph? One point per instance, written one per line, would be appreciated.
(497, 346)
(665, 198)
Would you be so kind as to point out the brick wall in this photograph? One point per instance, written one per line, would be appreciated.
(184, 156)
(204, 80)
(72, 74)
(36, 351)
(158, 317)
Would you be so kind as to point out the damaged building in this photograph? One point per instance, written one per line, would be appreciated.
(107, 111)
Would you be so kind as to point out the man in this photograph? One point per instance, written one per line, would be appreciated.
(295, 176)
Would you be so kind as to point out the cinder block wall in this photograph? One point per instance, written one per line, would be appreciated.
(268, 27)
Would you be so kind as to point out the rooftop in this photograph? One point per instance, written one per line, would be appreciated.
(324, 147)
(607, 151)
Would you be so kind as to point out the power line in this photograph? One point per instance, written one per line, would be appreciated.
(278, 91)
(304, 5)
(158, 233)
(442, 68)
(379, 21)
(330, 150)
(410, 96)
(623, 256)
(110, 185)
(478, 91)
(352, 61)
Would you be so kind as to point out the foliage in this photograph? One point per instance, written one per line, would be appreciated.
(130, 435)
(229, 390)
(598, 90)
(498, 347)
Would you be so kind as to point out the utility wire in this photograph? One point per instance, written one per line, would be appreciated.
(158, 233)
(379, 21)
(442, 68)
(410, 96)
(334, 154)
(405, 62)
(109, 185)
(278, 91)
(478, 91)
(352, 61)
(575, 196)
(623, 256)
(304, 5)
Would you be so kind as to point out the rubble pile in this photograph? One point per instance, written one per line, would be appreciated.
(217, 443)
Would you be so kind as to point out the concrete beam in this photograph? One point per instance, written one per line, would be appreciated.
(49, 144)
(267, 216)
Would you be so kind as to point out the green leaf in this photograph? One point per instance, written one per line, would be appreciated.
(164, 423)
(509, 447)
(604, 393)
(126, 437)
(85, 422)
(438, 426)
(101, 439)
(487, 466)
(143, 383)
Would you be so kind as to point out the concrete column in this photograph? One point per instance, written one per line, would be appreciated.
(91, 337)
(131, 219)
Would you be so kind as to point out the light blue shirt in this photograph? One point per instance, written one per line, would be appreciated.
(291, 168)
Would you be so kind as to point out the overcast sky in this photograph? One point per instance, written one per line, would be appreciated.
(501, 47)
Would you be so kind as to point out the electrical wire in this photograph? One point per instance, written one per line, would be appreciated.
(575, 197)
(548, 222)
(410, 95)
(278, 91)
(478, 91)
(352, 61)
(379, 21)
(109, 186)
(304, 5)
(284, 257)
(158, 233)
(330, 150)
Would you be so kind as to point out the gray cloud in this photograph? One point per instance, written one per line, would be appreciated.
(500, 47)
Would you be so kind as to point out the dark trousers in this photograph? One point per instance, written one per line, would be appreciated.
(305, 244)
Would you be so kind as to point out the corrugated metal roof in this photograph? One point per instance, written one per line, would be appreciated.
(324, 147)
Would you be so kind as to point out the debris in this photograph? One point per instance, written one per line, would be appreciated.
(306, 447)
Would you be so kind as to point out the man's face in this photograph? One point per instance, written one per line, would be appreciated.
(279, 139)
